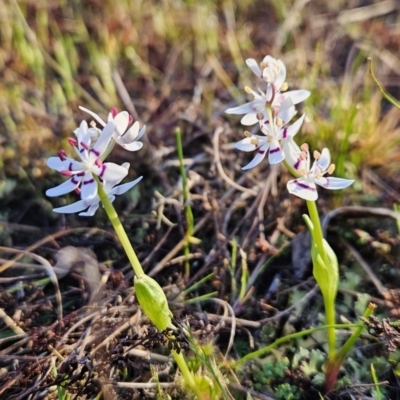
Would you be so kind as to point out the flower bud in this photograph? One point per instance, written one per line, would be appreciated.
(153, 301)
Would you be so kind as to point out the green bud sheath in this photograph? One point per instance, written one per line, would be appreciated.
(153, 301)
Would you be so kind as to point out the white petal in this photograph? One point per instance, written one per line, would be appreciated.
(66, 187)
(253, 65)
(102, 142)
(91, 210)
(333, 183)
(69, 164)
(112, 172)
(258, 157)
(243, 109)
(94, 115)
(245, 145)
(324, 161)
(134, 146)
(250, 119)
(134, 133)
(121, 122)
(303, 188)
(121, 189)
(297, 96)
(88, 187)
(275, 154)
(291, 130)
(292, 153)
(131, 133)
(141, 132)
(75, 207)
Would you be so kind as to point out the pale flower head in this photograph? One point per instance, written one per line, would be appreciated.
(126, 138)
(90, 163)
(270, 142)
(305, 186)
(91, 205)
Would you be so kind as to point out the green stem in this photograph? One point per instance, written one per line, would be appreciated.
(186, 201)
(119, 230)
(329, 301)
(318, 235)
(264, 350)
(342, 353)
(334, 363)
(187, 375)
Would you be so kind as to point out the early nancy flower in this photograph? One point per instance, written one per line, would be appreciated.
(270, 142)
(128, 139)
(271, 70)
(271, 99)
(281, 104)
(81, 172)
(92, 205)
(305, 185)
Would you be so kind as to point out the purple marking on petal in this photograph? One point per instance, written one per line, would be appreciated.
(97, 153)
(296, 164)
(70, 166)
(285, 133)
(261, 151)
(81, 173)
(103, 169)
(274, 150)
(88, 181)
(74, 181)
(266, 122)
(304, 186)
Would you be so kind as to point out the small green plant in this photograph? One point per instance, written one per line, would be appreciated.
(272, 109)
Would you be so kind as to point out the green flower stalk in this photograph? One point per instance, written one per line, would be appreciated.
(97, 181)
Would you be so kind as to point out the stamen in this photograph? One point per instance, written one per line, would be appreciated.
(99, 163)
(279, 122)
(254, 140)
(77, 190)
(247, 89)
(302, 171)
(304, 147)
(331, 169)
(66, 173)
(284, 87)
(93, 124)
(84, 145)
(275, 111)
(263, 64)
(303, 155)
(72, 141)
(114, 111)
(247, 134)
(260, 116)
(62, 155)
(130, 118)
(317, 154)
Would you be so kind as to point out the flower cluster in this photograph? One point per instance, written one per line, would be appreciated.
(92, 145)
(272, 109)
